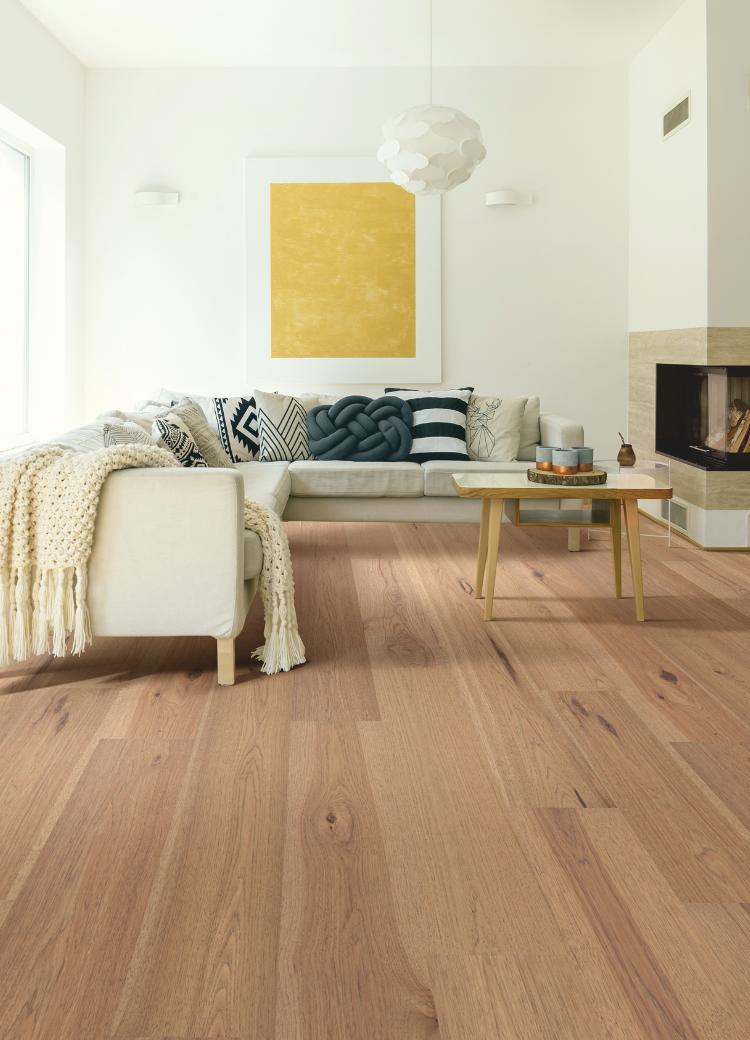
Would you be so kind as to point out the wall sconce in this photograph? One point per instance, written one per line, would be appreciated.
(508, 197)
(157, 198)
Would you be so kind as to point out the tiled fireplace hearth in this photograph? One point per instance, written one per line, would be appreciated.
(689, 400)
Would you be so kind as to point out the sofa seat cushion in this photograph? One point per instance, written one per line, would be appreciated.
(267, 483)
(356, 479)
(253, 555)
(438, 474)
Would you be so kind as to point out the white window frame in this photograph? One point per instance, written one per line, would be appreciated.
(24, 435)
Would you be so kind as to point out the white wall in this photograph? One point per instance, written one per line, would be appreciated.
(535, 300)
(41, 84)
(668, 179)
(728, 163)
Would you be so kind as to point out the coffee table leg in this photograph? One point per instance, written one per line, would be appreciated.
(493, 544)
(634, 548)
(482, 551)
(616, 527)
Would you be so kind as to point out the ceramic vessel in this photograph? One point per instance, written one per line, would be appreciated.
(626, 455)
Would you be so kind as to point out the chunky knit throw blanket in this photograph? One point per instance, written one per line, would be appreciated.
(48, 504)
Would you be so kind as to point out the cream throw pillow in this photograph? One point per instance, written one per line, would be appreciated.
(493, 428)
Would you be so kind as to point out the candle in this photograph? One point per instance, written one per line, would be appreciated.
(565, 460)
(585, 459)
(543, 458)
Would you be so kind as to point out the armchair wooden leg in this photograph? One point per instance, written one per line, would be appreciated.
(574, 539)
(225, 662)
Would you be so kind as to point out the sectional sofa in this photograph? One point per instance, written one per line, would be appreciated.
(171, 555)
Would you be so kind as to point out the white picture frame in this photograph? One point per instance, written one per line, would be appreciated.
(265, 370)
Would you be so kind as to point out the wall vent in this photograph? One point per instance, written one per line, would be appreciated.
(679, 514)
(676, 117)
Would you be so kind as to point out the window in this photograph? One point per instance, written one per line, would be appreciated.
(14, 295)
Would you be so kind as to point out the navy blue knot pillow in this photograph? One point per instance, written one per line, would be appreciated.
(360, 429)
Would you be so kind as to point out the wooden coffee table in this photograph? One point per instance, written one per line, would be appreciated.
(533, 505)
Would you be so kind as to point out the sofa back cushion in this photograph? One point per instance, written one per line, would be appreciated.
(439, 430)
(361, 429)
(530, 435)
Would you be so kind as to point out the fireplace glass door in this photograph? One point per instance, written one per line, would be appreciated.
(703, 414)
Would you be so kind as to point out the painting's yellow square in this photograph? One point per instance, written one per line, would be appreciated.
(343, 281)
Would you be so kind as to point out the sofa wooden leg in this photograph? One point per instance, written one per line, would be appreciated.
(225, 662)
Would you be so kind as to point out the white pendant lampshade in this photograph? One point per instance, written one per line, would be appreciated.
(431, 148)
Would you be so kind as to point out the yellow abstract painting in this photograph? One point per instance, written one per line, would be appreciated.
(343, 278)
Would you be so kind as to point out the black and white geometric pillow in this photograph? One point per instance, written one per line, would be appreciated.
(282, 428)
(237, 424)
(439, 430)
(178, 440)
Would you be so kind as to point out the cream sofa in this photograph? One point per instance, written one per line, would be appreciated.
(171, 555)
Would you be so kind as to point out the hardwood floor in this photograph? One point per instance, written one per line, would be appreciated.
(536, 827)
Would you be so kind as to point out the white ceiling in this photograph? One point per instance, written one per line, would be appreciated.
(246, 33)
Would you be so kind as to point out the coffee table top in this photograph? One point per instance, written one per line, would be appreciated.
(518, 485)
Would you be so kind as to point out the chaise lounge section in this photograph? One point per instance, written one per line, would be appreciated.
(171, 555)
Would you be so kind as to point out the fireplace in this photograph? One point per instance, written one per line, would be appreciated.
(703, 415)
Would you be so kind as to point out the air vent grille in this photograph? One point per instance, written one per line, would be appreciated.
(678, 513)
(677, 117)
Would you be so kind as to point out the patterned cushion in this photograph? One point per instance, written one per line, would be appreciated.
(282, 430)
(191, 415)
(232, 419)
(439, 429)
(237, 423)
(124, 432)
(361, 430)
(175, 436)
(493, 427)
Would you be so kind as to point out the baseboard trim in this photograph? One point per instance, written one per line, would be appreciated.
(681, 534)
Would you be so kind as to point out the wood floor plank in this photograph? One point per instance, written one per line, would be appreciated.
(541, 996)
(340, 685)
(206, 963)
(646, 985)
(685, 708)
(715, 995)
(45, 744)
(343, 972)
(705, 858)
(535, 764)
(726, 770)
(67, 940)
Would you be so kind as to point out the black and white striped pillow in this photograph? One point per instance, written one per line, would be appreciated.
(439, 430)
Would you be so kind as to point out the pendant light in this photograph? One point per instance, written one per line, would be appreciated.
(430, 148)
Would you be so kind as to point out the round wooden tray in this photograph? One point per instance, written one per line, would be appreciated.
(544, 476)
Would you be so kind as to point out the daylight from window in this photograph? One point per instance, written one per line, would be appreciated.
(14, 224)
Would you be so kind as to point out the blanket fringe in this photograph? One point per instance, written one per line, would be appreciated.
(82, 621)
(22, 619)
(282, 650)
(5, 640)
